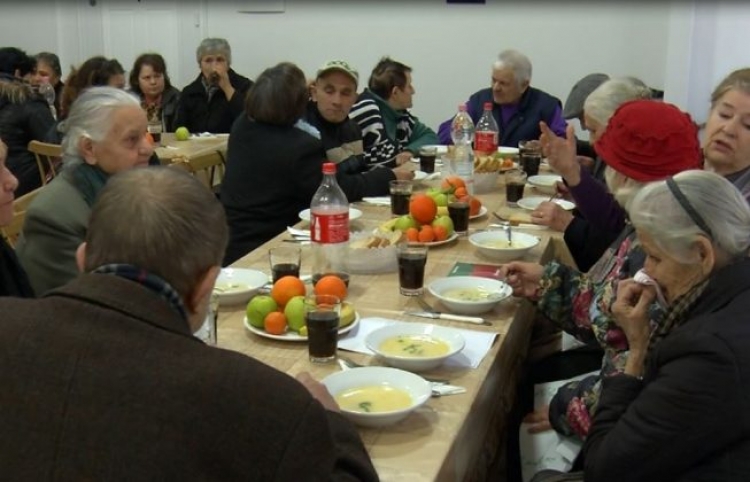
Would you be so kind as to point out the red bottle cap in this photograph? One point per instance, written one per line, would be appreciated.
(488, 106)
(329, 168)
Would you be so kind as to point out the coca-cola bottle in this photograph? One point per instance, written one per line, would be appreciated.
(329, 227)
(486, 133)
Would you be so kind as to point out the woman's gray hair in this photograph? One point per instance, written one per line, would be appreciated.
(622, 187)
(91, 117)
(212, 46)
(517, 62)
(656, 211)
(602, 103)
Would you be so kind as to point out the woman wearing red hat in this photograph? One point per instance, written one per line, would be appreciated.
(645, 141)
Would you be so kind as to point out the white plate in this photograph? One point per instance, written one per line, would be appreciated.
(508, 151)
(293, 335)
(533, 202)
(419, 175)
(445, 241)
(439, 148)
(354, 213)
(544, 180)
(241, 284)
(482, 212)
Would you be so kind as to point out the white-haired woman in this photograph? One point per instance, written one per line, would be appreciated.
(104, 133)
(216, 97)
(676, 411)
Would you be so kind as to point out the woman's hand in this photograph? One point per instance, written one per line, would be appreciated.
(538, 419)
(551, 215)
(630, 311)
(318, 391)
(561, 153)
(522, 277)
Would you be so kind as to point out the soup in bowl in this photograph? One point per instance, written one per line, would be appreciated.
(495, 245)
(415, 346)
(469, 295)
(237, 285)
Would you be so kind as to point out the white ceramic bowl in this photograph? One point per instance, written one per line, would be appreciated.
(497, 290)
(418, 388)
(453, 338)
(545, 183)
(522, 243)
(237, 285)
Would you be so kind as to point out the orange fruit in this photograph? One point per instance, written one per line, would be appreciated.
(150, 138)
(331, 285)
(451, 183)
(412, 235)
(460, 192)
(474, 204)
(422, 208)
(426, 234)
(441, 234)
(287, 288)
(275, 323)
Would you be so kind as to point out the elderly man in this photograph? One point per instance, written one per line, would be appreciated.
(216, 97)
(332, 96)
(391, 133)
(516, 106)
(102, 378)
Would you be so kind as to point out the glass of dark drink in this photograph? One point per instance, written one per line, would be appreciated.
(427, 159)
(530, 156)
(515, 181)
(155, 129)
(285, 261)
(412, 258)
(400, 195)
(459, 213)
(322, 321)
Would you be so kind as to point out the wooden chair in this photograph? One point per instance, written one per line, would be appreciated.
(20, 206)
(208, 167)
(48, 158)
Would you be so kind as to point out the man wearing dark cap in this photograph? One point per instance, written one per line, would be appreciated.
(574, 108)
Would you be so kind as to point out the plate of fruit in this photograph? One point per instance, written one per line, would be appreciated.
(280, 315)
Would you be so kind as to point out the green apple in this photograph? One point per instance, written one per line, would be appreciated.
(441, 199)
(442, 211)
(434, 191)
(295, 313)
(444, 221)
(405, 222)
(257, 309)
(182, 134)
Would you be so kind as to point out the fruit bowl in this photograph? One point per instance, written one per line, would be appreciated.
(445, 341)
(237, 285)
(389, 385)
(494, 244)
(486, 182)
(469, 295)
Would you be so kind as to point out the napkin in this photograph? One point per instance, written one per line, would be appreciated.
(478, 343)
(380, 200)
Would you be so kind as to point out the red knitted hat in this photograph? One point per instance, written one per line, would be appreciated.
(648, 140)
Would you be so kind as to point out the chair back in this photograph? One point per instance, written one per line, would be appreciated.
(208, 167)
(20, 206)
(48, 158)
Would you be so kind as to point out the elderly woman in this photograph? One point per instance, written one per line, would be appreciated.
(587, 240)
(215, 99)
(676, 410)
(150, 82)
(645, 141)
(275, 163)
(105, 133)
(13, 279)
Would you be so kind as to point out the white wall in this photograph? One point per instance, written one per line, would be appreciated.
(684, 48)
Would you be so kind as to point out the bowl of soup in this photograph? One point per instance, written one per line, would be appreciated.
(237, 285)
(377, 396)
(469, 295)
(415, 346)
(495, 245)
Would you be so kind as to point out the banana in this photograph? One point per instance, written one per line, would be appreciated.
(347, 315)
(389, 225)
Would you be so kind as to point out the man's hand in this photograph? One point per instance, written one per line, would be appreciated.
(538, 420)
(403, 157)
(522, 277)
(318, 391)
(551, 215)
(221, 71)
(404, 173)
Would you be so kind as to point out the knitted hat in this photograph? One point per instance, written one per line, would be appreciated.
(574, 103)
(649, 140)
(341, 66)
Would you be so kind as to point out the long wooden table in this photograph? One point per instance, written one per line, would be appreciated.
(451, 438)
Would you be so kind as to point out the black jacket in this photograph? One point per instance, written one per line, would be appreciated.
(13, 279)
(272, 174)
(24, 117)
(200, 114)
(688, 418)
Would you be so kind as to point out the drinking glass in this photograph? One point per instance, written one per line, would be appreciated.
(515, 181)
(427, 159)
(400, 195)
(459, 213)
(285, 261)
(530, 156)
(412, 258)
(322, 314)
(207, 331)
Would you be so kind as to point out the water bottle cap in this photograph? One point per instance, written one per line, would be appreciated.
(329, 168)
(488, 106)
(462, 107)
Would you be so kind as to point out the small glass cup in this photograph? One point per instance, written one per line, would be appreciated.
(155, 129)
(400, 195)
(515, 181)
(285, 261)
(530, 156)
(459, 213)
(412, 258)
(322, 317)
(427, 159)
(207, 331)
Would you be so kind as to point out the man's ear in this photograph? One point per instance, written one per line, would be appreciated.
(202, 289)
(311, 87)
(86, 148)
(81, 257)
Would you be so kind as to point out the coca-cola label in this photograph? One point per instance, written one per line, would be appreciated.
(485, 141)
(329, 228)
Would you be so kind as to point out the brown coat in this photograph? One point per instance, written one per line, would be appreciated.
(101, 380)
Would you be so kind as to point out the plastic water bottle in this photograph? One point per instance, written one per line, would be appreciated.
(487, 133)
(48, 93)
(462, 134)
(329, 227)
